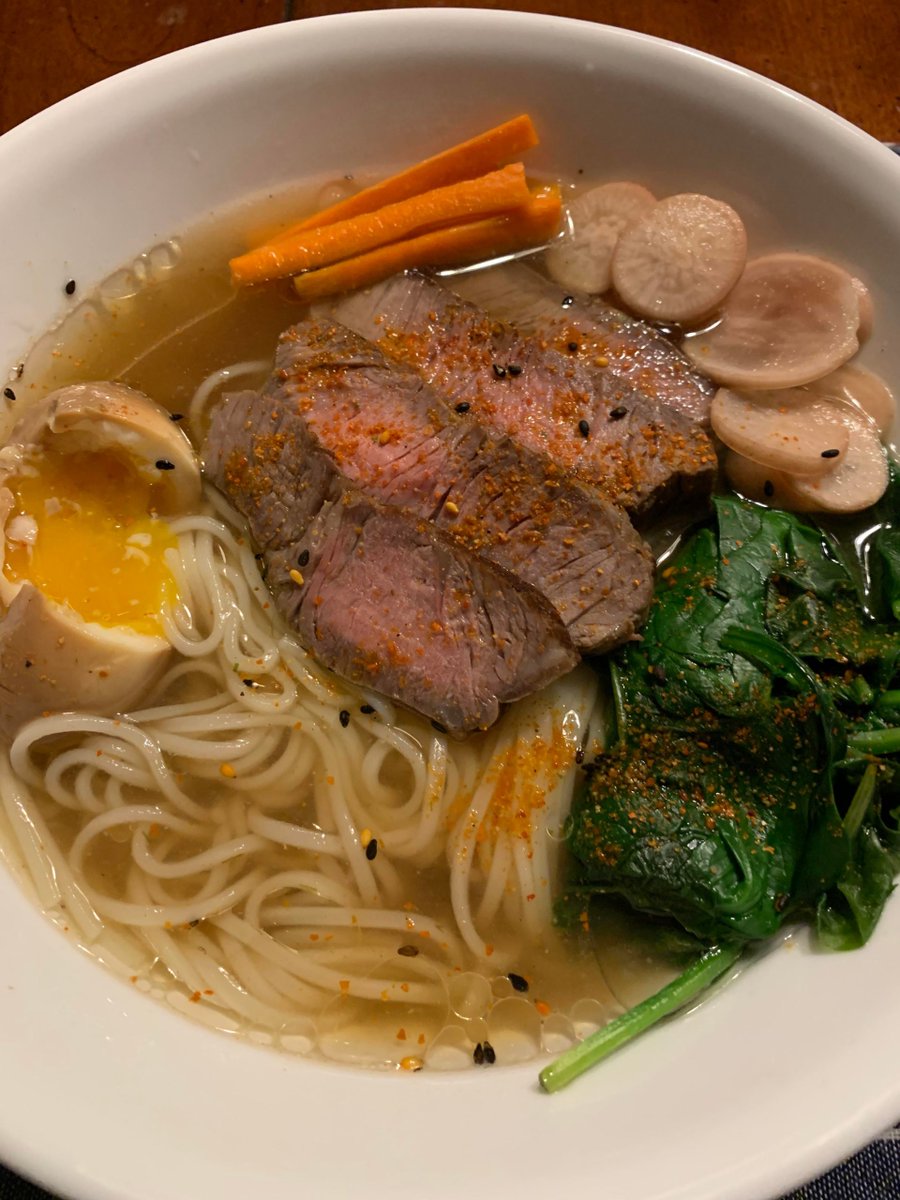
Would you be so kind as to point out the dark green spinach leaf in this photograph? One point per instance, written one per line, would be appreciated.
(723, 803)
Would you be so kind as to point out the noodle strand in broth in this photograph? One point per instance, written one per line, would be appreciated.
(216, 846)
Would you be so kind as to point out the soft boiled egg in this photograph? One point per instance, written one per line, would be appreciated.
(86, 481)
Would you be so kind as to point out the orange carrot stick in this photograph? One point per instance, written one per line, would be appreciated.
(498, 192)
(477, 156)
(453, 246)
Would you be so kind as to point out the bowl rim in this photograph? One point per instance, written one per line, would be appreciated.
(803, 1161)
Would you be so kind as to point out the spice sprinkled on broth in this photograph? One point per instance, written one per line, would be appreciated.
(406, 785)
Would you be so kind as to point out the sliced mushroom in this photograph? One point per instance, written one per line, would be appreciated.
(860, 477)
(681, 259)
(790, 320)
(863, 390)
(86, 416)
(582, 260)
(786, 431)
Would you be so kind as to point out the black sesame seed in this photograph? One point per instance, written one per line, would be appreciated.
(519, 982)
(830, 453)
(163, 464)
(490, 1054)
(258, 556)
(769, 488)
(344, 717)
(9, 393)
(28, 662)
(463, 406)
(568, 301)
(583, 428)
(20, 370)
(408, 951)
(617, 413)
(572, 347)
(499, 372)
(70, 287)
(438, 726)
(367, 709)
(193, 924)
(176, 416)
(250, 683)
(514, 369)
(478, 1054)
(579, 756)
(371, 848)
(302, 558)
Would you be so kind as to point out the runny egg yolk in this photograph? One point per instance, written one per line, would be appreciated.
(95, 543)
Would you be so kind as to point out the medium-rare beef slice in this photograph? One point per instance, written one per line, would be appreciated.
(636, 453)
(625, 349)
(383, 599)
(278, 485)
(385, 431)
(392, 604)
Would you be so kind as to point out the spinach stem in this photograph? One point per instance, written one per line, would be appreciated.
(699, 976)
(861, 802)
(862, 693)
(888, 702)
(876, 741)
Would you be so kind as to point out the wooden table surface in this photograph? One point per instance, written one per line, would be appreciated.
(843, 53)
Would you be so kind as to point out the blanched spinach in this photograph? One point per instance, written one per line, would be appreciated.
(734, 796)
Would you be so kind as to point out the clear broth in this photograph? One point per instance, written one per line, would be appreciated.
(163, 325)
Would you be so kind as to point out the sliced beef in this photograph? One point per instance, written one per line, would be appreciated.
(382, 598)
(637, 453)
(625, 349)
(385, 431)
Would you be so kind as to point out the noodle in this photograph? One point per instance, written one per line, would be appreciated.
(220, 836)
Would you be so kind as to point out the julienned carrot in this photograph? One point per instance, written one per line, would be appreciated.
(477, 156)
(454, 246)
(497, 192)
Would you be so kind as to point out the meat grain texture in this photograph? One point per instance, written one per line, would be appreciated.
(385, 600)
(639, 453)
(386, 433)
(441, 499)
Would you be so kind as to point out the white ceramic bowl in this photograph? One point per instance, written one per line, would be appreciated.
(107, 1095)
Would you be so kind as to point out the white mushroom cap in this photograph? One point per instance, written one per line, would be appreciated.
(93, 416)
